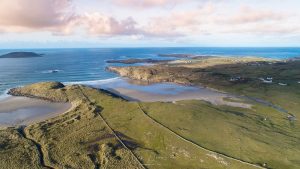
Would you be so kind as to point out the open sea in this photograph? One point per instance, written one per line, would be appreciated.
(88, 65)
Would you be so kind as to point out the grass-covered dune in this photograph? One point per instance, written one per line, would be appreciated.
(104, 131)
(78, 138)
(17, 151)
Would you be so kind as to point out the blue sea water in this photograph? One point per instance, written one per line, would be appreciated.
(74, 65)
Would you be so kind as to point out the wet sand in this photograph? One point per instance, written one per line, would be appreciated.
(16, 111)
(133, 90)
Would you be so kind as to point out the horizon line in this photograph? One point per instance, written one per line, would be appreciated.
(130, 47)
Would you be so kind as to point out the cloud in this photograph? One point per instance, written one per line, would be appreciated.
(147, 3)
(180, 23)
(30, 15)
(263, 30)
(193, 18)
(59, 18)
(206, 19)
(99, 24)
(250, 15)
(248, 20)
(212, 18)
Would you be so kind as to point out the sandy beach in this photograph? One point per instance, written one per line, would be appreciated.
(23, 111)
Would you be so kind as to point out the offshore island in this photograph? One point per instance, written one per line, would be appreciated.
(21, 55)
(254, 124)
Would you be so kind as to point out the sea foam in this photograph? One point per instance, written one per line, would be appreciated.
(93, 82)
(4, 95)
(52, 71)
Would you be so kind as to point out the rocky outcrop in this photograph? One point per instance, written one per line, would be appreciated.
(134, 72)
(154, 74)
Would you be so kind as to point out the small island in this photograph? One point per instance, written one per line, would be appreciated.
(21, 55)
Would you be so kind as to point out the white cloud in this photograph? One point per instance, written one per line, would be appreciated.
(147, 3)
(207, 17)
(32, 15)
(99, 24)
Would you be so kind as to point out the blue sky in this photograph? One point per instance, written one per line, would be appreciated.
(147, 23)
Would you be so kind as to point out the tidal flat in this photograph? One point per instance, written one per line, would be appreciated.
(16, 111)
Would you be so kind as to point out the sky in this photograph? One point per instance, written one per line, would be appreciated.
(149, 23)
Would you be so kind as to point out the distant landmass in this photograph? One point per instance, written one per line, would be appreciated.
(177, 55)
(186, 56)
(21, 55)
(133, 61)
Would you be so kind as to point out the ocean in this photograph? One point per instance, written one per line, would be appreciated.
(88, 65)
